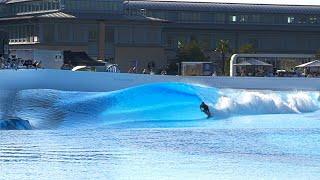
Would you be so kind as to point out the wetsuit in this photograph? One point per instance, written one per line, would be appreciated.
(205, 108)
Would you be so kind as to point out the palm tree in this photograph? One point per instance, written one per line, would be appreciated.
(223, 47)
(247, 48)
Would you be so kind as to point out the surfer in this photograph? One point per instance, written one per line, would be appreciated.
(205, 108)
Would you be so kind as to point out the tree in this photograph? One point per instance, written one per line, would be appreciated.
(247, 48)
(191, 52)
(223, 47)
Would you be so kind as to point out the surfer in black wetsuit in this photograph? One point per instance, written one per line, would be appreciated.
(205, 108)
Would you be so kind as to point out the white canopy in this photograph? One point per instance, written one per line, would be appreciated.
(252, 62)
(78, 67)
(315, 63)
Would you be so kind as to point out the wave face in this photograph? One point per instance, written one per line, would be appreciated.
(175, 102)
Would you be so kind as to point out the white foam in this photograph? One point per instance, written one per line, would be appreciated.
(242, 102)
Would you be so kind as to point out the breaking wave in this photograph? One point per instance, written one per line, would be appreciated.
(155, 102)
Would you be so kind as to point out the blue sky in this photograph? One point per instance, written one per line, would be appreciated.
(301, 2)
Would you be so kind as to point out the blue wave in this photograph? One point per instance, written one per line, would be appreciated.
(164, 102)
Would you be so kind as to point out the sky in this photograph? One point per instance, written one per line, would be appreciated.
(296, 2)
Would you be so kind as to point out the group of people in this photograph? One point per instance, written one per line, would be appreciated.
(17, 63)
(255, 73)
(313, 75)
(146, 71)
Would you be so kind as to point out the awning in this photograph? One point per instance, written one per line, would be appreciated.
(315, 63)
(252, 62)
(80, 59)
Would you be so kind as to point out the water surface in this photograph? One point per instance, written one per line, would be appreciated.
(158, 132)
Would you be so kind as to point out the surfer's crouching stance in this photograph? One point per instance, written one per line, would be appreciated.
(205, 108)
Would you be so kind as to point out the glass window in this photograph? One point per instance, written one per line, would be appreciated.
(21, 33)
(170, 41)
(158, 14)
(207, 17)
(291, 20)
(268, 18)
(172, 15)
(255, 18)
(109, 36)
(313, 20)
(92, 36)
(233, 18)
(243, 18)
(189, 16)
(79, 33)
(48, 32)
(219, 17)
(302, 20)
(94, 5)
(63, 32)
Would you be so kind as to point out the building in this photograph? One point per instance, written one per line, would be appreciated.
(98, 27)
(4, 42)
(135, 33)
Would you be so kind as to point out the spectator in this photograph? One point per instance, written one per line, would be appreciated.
(152, 72)
(163, 72)
(144, 71)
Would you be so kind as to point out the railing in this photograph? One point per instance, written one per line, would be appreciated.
(113, 68)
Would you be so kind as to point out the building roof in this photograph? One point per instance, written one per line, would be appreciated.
(214, 6)
(315, 63)
(97, 16)
(13, 1)
(252, 62)
(225, 7)
(56, 15)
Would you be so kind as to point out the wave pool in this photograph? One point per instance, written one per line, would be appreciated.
(157, 131)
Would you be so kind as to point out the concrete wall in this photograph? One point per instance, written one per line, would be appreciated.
(103, 82)
(126, 57)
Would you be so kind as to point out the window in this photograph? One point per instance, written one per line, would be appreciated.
(21, 33)
(92, 35)
(172, 15)
(94, 5)
(233, 18)
(243, 18)
(219, 18)
(207, 17)
(291, 20)
(109, 36)
(313, 20)
(48, 32)
(302, 20)
(63, 32)
(79, 33)
(170, 41)
(33, 6)
(158, 14)
(189, 16)
(255, 18)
